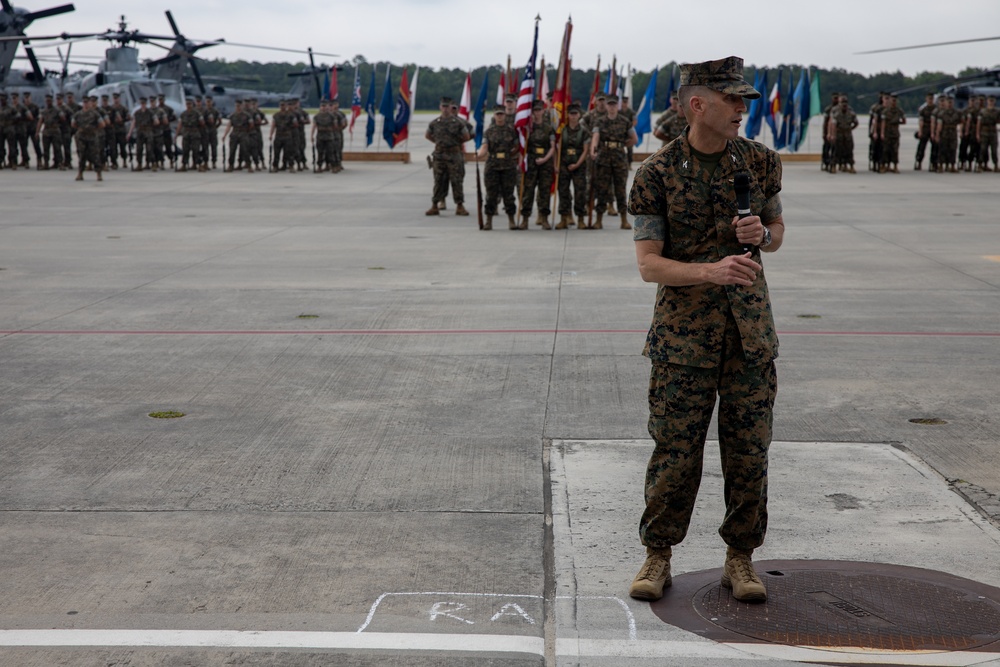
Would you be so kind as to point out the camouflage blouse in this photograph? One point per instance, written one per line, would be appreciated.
(503, 146)
(678, 202)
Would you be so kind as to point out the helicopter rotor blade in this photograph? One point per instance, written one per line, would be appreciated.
(36, 68)
(924, 46)
(173, 24)
(270, 48)
(45, 13)
(197, 74)
(7, 6)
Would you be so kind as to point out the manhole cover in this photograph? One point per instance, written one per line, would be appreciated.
(836, 604)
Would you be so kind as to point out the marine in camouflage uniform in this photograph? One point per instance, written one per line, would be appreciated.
(712, 331)
(258, 120)
(874, 137)
(448, 132)
(968, 149)
(337, 164)
(322, 137)
(612, 135)
(539, 172)
(239, 126)
(501, 148)
(574, 147)
(986, 129)
(284, 127)
(146, 135)
(108, 136)
(89, 127)
(926, 119)
(946, 134)
(23, 121)
(33, 112)
(213, 119)
(50, 128)
(303, 119)
(8, 134)
(827, 156)
(840, 131)
(671, 122)
(191, 125)
(72, 106)
(892, 118)
(120, 118)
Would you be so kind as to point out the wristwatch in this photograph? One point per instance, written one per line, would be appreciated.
(766, 241)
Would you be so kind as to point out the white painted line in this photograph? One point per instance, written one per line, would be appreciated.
(276, 640)
(480, 643)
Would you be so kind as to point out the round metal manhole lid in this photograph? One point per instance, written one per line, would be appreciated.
(836, 604)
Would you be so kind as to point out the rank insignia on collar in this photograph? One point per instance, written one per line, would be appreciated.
(685, 164)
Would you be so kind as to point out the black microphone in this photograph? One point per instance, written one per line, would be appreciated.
(741, 184)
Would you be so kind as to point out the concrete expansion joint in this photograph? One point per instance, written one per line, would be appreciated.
(986, 503)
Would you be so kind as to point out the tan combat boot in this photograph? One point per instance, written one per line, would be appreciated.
(611, 210)
(538, 220)
(511, 223)
(581, 223)
(524, 223)
(653, 577)
(739, 575)
(433, 210)
(597, 223)
(99, 177)
(79, 175)
(625, 224)
(564, 221)
(488, 225)
(544, 222)
(460, 210)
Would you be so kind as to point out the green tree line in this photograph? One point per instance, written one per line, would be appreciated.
(436, 83)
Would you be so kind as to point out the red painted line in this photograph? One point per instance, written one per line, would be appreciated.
(459, 332)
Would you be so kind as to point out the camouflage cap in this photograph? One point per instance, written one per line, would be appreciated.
(573, 108)
(501, 109)
(725, 76)
(538, 105)
(611, 99)
(510, 97)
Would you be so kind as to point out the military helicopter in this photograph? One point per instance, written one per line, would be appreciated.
(13, 22)
(122, 72)
(986, 82)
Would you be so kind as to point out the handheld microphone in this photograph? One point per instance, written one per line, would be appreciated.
(741, 184)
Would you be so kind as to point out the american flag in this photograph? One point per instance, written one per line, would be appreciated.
(522, 119)
(355, 99)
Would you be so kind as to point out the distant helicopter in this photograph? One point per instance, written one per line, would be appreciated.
(122, 72)
(13, 22)
(986, 82)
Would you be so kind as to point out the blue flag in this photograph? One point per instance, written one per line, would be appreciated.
(754, 112)
(387, 107)
(644, 119)
(803, 104)
(370, 111)
(479, 113)
(787, 116)
(326, 86)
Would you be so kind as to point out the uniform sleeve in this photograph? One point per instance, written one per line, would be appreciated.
(647, 202)
(772, 186)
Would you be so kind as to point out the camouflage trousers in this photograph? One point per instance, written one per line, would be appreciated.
(89, 150)
(9, 139)
(121, 144)
(500, 184)
(538, 177)
(610, 174)
(922, 148)
(681, 403)
(191, 145)
(890, 150)
(240, 142)
(988, 145)
(576, 201)
(210, 146)
(947, 147)
(449, 168)
(145, 147)
(283, 152)
(324, 150)
(52, 145)
(843, 148)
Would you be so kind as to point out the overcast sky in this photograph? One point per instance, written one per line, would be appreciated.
(448, 33)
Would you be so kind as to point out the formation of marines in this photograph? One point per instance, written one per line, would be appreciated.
(590, 159)
(107, 135)
(960, 140)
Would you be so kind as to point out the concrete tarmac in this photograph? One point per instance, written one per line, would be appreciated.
(410, 442)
